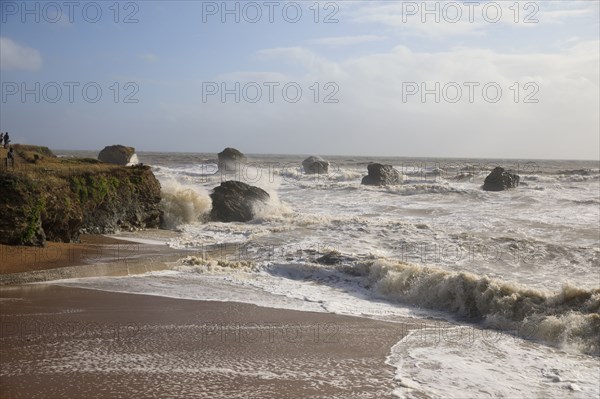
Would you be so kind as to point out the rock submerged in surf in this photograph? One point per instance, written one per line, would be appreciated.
(381, 175)
(315, 165)
(334, 258)
(499, 180)
(229, 158)
(234, 201)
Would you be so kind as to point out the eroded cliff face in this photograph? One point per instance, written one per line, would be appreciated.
(47, 198)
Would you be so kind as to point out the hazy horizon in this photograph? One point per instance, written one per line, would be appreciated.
(255, 154)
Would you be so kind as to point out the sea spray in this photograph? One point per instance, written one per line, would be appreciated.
(274, 208)
(183, 203)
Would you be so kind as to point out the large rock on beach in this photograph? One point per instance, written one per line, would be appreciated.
(499, 180)
(229, 157)
(234, 201)
(118, 155)
(381, 175)
(315, 164)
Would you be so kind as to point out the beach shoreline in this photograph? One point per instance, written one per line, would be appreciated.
(71, 342)
(94, 256)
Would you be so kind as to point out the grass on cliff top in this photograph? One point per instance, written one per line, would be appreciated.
(38, 160)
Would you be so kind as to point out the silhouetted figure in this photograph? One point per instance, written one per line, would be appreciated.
(6, 140)
(10, 158)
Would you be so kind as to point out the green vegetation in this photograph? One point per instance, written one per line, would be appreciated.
(96, 187)
(34, 221)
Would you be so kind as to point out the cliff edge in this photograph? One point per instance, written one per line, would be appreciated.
(48, 198)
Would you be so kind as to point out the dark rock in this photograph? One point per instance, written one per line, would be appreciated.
(118, 155)
(234, 201)
(499, 180)
(229, 158)
(314, 164)
(334, 258)
(380, 175)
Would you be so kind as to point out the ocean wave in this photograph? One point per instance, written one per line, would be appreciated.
(580, 172)
(183, 204)
(586, 202)
(335, 174)
(196, 264)
(274, 208)
(561, 177)
(409, 188)
(568, 319)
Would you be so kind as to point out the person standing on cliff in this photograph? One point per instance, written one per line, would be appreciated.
(6, 140)
(11, 158)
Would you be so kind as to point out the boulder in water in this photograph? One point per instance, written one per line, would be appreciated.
(381, 175)
(229, 157)
(315, 164)
(334, 258)
(234, 201)
(499, 180)
(119, 155)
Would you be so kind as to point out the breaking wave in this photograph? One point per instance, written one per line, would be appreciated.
(183, 204)
(569, 318)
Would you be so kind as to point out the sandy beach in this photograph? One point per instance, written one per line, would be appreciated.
(69, 342)
(63, 342)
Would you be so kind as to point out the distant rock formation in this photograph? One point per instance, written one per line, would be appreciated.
(499, 180)
(381, 175)
(315, 164)
(229, 157)
(234, 201)
(118, 155)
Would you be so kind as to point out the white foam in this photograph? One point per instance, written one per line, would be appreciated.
(133, 160)
(488, 365)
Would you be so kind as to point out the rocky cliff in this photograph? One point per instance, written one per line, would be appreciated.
(56, 199)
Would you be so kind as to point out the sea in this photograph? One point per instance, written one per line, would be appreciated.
(499, 292)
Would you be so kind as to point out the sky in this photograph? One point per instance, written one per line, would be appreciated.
(487, 79)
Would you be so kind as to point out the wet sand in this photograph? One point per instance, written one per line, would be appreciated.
(92, 248)
(95, 255)
(63, 342)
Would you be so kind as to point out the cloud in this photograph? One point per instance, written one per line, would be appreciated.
(441, 19)
(560, 12)
(300, 56)
(18, 57)
(372, 117)
(149, 58)
(347, 40)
